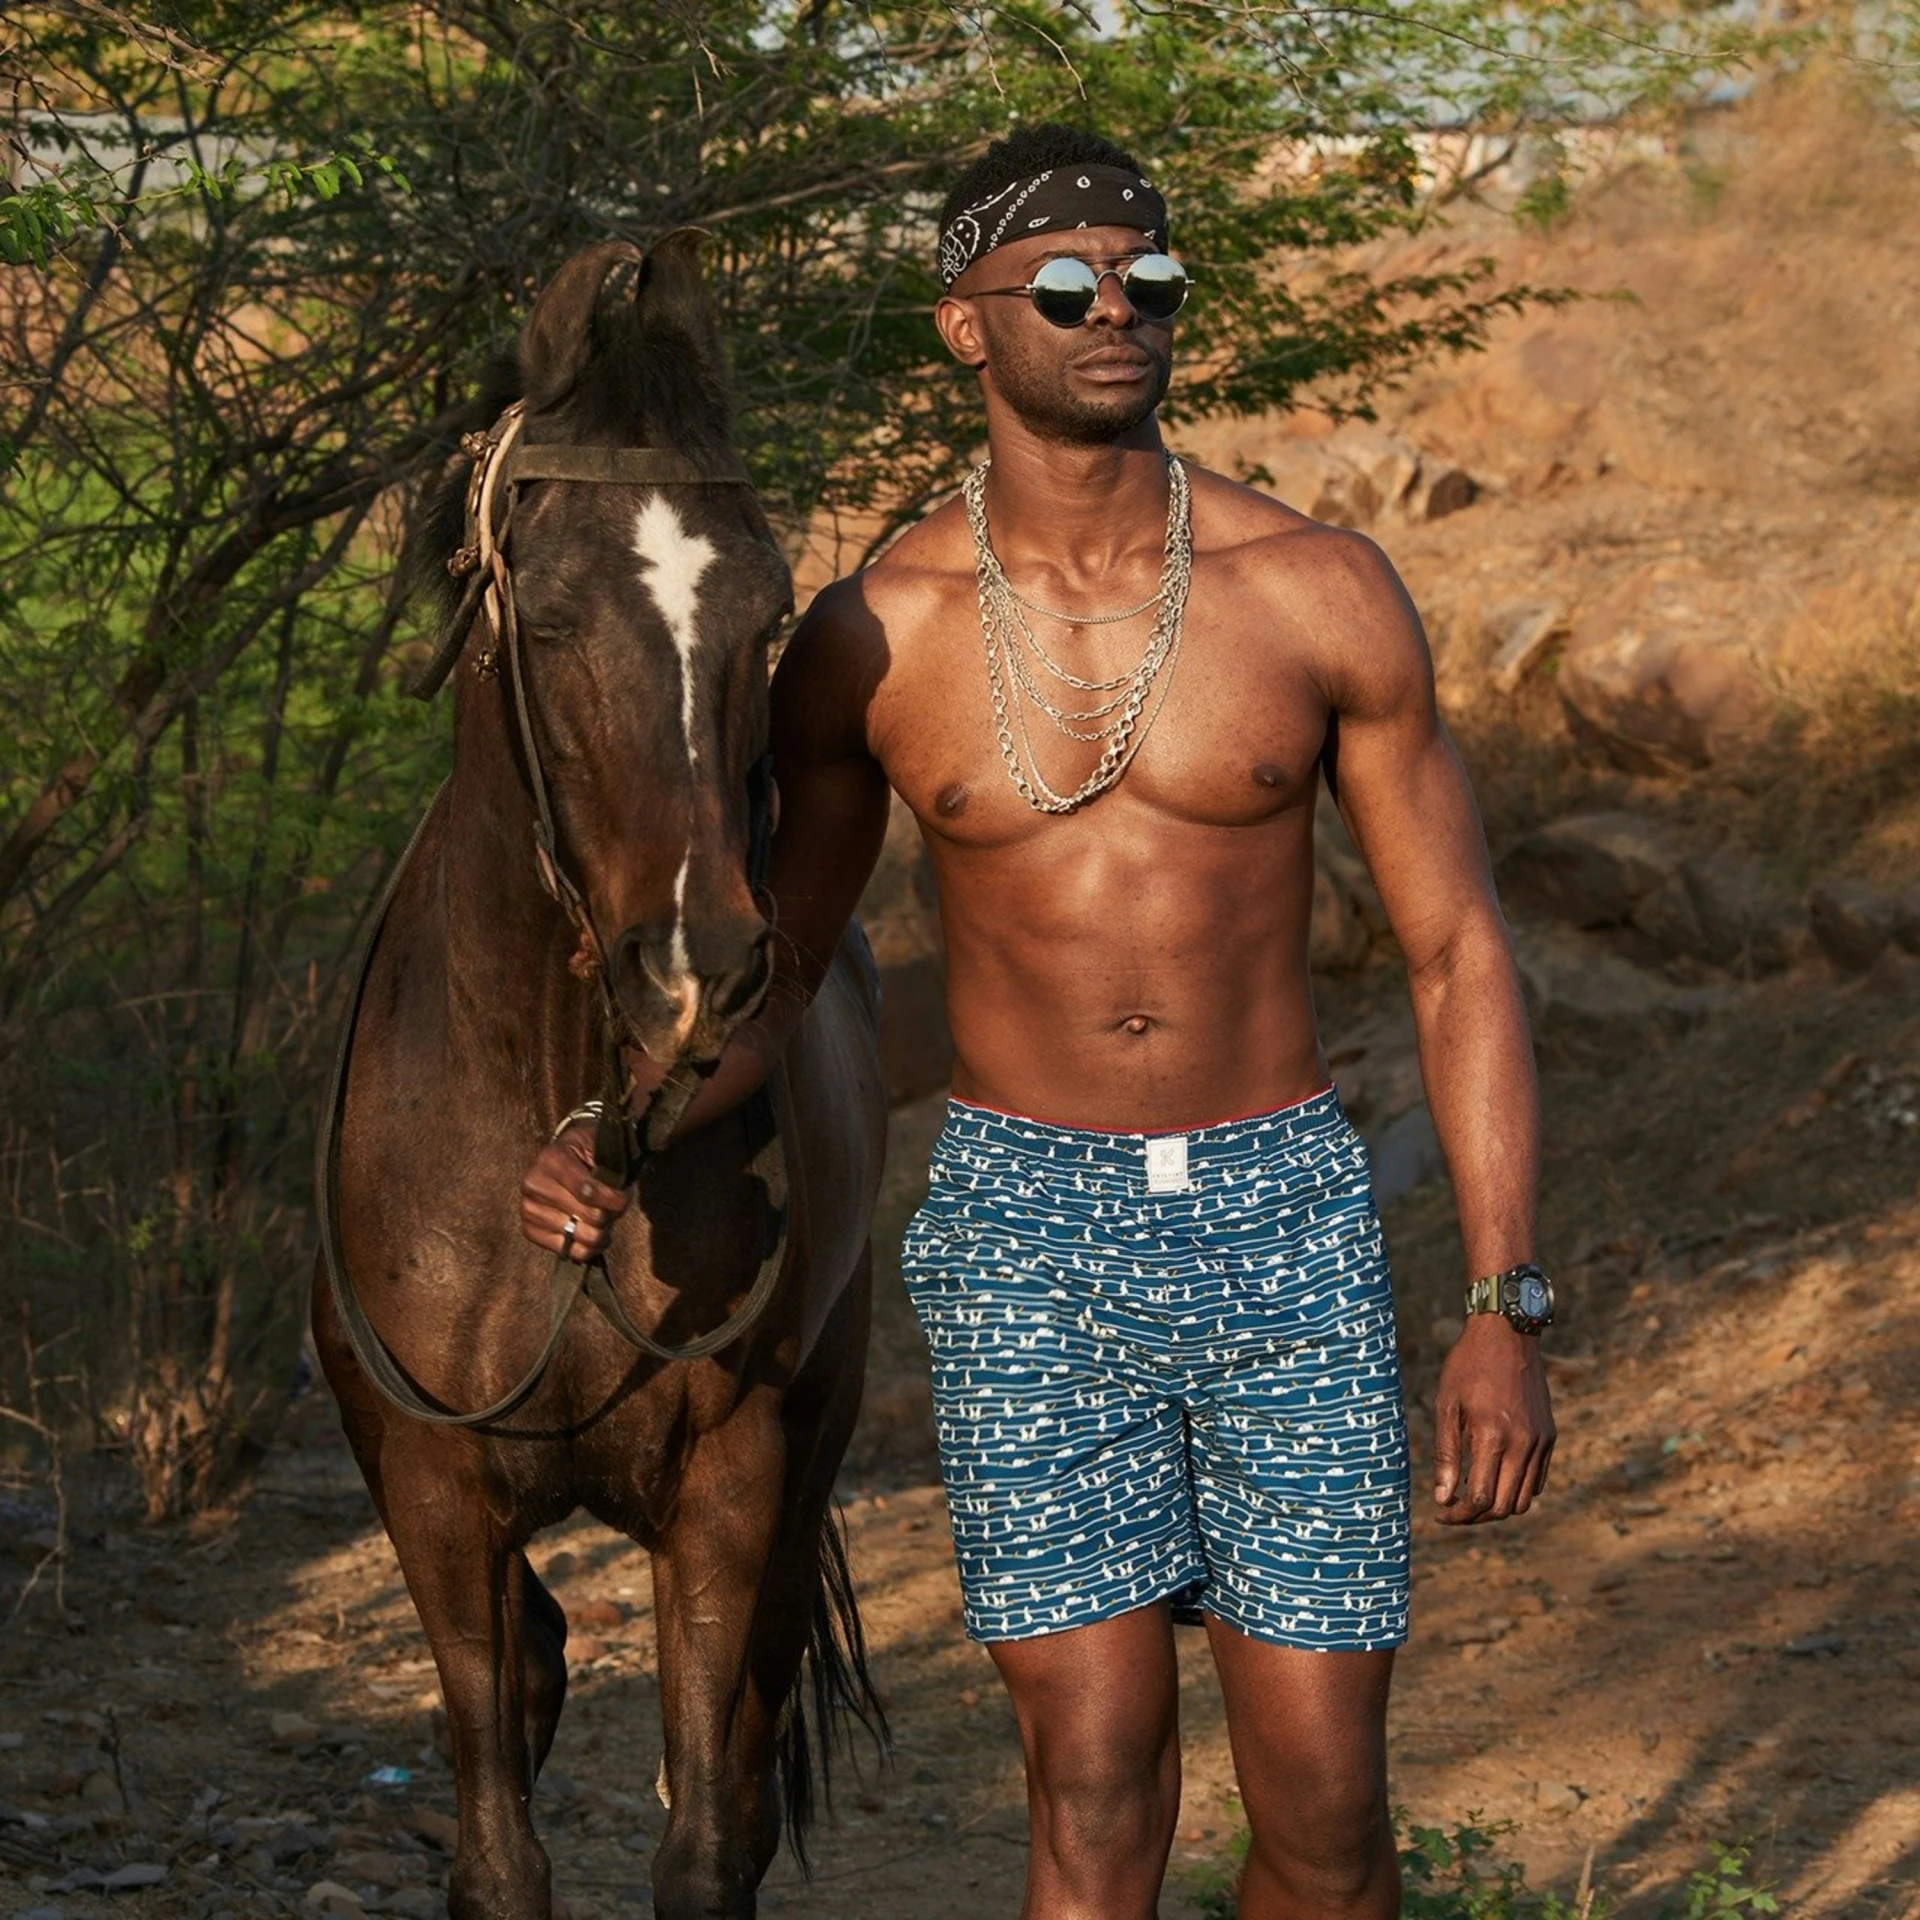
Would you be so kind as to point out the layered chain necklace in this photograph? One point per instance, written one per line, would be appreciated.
(1016, 660)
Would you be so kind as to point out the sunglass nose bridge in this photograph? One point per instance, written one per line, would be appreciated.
(1067, 289)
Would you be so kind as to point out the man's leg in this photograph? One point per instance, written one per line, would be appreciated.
(1309, 1737)
(1098, 1708)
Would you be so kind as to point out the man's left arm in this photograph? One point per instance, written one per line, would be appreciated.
(1404, 795)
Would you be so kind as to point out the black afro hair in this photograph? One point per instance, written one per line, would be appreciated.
(1025, 152)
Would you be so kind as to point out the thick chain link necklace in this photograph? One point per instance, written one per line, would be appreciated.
(1117, 724)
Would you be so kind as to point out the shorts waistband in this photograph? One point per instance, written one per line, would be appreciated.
(972, 1131)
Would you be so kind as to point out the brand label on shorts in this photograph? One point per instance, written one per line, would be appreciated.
(1167, 1163)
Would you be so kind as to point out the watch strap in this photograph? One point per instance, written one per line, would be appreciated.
(1483, 1295)
(1501, 1293)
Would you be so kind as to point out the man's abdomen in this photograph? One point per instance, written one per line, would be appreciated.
(1160, 983)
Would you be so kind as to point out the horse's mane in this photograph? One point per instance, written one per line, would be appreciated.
(656, 377)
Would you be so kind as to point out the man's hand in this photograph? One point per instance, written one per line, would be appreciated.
(1495, 1424)
(560, 1187)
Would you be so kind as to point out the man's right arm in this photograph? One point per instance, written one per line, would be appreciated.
(833, 795)
(832, 800)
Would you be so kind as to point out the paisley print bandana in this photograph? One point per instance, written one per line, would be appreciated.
(1052, 202)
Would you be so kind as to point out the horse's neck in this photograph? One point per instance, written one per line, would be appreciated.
(507, 942)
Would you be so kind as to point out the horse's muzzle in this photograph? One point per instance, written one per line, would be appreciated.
(684, 989)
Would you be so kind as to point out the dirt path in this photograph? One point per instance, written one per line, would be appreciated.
(1707, 1633)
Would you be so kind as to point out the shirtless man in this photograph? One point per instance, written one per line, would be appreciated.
(1149, 1267)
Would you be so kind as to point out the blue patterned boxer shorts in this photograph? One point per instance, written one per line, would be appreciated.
(1164, 1368)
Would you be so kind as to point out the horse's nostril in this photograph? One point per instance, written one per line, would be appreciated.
(641, 961)
(740, 992)
(663, 985)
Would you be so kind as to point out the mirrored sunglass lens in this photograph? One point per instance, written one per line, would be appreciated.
(1156, 286)
(1064, 291)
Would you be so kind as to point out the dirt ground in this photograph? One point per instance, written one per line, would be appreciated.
(1707, 1632)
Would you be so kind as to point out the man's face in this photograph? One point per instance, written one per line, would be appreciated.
(1084, 385)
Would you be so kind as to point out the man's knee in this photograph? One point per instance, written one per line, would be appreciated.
(1092, 1807)
(1326, 1836)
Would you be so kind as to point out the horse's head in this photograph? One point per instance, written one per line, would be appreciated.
(644, 612)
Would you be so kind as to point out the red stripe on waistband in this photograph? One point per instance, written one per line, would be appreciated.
(1145, 1133)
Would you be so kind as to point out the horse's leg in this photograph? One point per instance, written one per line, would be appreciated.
(494, 1644)
(724, 1821)
(543, 1622)
(734, 1598)
(496, 1633)
(543, 1661)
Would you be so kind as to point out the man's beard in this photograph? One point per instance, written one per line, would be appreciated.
(1035, 386)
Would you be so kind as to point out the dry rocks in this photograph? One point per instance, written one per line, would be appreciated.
(101, 1791)
(136, 1873)
(1632, 875)
(1855, 922)
(1557, 1796)
(374, 1866)
(1376, 1068)
(1592, 870)
(1521, 632)
(1405, 1155)
(1658, 677)
(1359, 474)
(1579, 994)
(441, 1829)
(1439, 491)
(1725, 912)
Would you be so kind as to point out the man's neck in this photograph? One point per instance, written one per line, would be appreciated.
(1080, 509)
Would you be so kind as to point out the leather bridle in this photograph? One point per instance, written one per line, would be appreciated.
(503, 460)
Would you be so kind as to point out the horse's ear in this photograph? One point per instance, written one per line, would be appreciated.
(557, 342)
(674, 296)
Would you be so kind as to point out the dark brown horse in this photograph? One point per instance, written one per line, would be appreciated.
(643, 617)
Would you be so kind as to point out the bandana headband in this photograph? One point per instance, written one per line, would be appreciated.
(1060, 199)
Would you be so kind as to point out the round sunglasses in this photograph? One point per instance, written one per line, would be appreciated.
(1063, 290)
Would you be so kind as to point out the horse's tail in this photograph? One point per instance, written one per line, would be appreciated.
(836, 1675)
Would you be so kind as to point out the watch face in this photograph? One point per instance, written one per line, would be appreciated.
(1533, 1298)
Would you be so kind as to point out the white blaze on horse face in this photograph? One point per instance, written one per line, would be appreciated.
(683, 989)
(672, 561)
(681, 962)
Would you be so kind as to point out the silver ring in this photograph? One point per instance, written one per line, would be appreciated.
(566, 1236)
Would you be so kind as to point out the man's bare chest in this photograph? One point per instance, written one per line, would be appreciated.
(1228, 733)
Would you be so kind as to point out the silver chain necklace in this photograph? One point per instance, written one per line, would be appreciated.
(1008, 638)
(1087, 619)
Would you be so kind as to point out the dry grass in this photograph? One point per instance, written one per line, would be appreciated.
(1847, 665)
